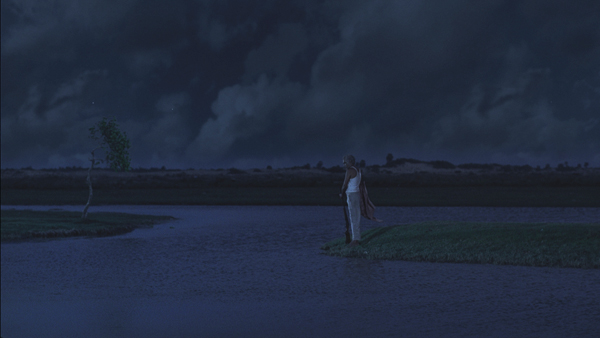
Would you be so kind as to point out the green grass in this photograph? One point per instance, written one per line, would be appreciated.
(27, 224)
(326, 195)
(575, 245)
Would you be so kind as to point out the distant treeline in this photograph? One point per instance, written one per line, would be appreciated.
(374, 176)
(390, 163)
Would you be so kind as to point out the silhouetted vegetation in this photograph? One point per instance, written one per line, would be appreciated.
(461, 175)
(565, 167)
(442, 165)
(336, 169)
(305, 167)
(235, 171)
(388, 159)
(152, 169)
(399, 183)
(401, 161)
(475, 166)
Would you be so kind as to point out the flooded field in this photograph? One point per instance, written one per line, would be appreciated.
(252, 271)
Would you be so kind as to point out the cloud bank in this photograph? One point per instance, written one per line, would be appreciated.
(256, 83)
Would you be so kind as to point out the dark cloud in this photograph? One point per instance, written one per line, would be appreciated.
(251, 83)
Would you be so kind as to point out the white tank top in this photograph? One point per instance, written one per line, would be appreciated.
(353, 184)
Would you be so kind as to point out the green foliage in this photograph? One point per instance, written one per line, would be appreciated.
(114, 143)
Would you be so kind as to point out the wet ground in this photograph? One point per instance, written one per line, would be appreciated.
(258, 272)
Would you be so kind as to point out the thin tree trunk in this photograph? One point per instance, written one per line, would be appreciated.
(89, 182)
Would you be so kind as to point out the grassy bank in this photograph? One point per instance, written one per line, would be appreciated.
(26, 224)
(322, 195)
(574, 245)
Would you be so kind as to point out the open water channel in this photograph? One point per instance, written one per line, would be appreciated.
(225, 271)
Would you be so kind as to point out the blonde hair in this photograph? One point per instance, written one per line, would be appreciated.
(349, 159)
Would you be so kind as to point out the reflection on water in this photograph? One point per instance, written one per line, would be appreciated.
(257, 271)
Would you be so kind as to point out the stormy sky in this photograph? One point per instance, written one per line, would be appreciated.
(251, 83)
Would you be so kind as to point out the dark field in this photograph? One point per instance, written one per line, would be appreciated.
(410, 184)
(394, 196)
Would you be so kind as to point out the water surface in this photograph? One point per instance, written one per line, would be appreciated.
(226, 271)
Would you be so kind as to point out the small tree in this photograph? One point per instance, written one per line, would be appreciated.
(115, 145)
(389, 158)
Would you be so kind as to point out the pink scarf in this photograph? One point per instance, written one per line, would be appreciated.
(367, 208)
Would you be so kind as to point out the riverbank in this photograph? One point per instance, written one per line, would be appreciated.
(574, 245)
(492, 196)
(28, 224)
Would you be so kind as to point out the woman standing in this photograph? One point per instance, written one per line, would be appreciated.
(351, 188)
